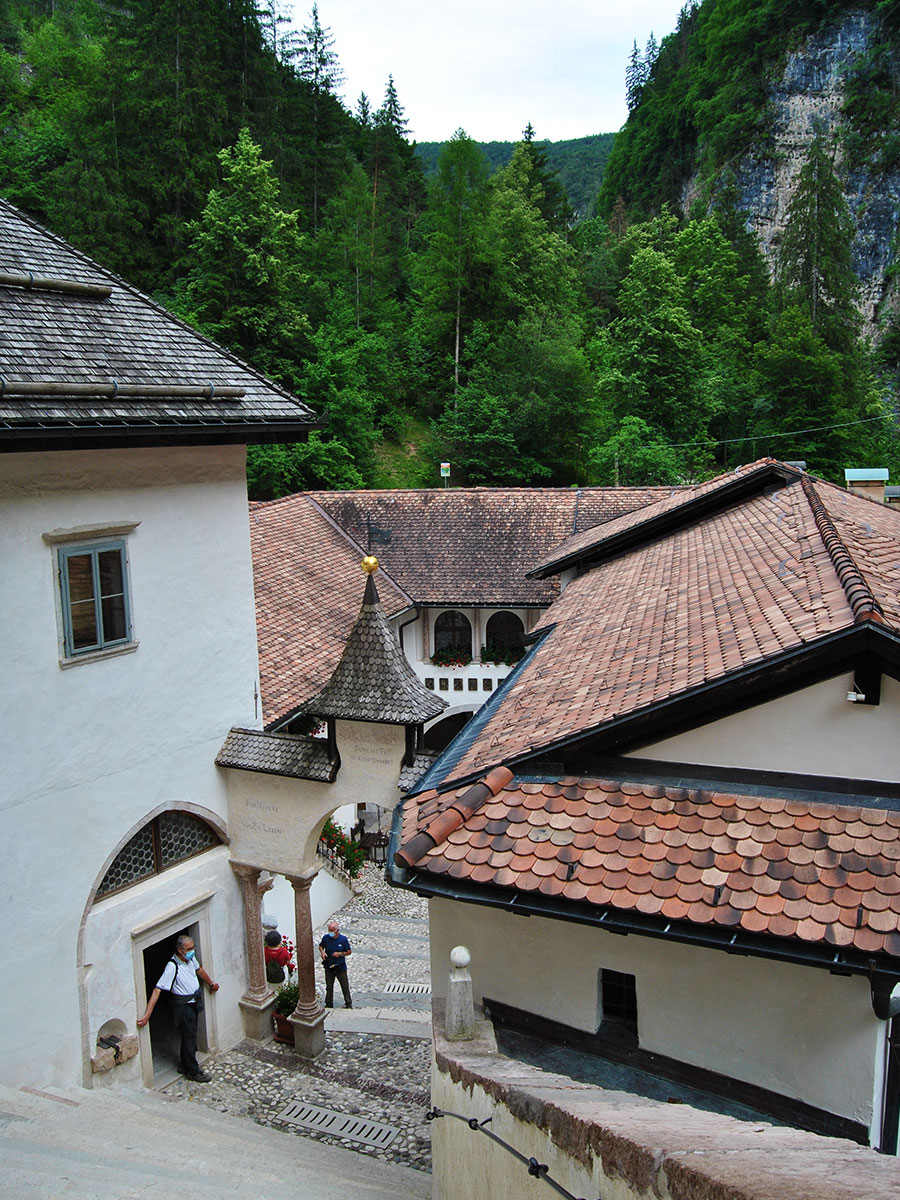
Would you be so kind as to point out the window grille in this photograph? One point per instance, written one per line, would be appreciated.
(505, 631)
(452, 631)
(169, 838)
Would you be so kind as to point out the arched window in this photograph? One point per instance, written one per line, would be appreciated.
(452, 634)
(168, 839)
(504, 638)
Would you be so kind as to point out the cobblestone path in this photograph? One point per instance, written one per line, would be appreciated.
(379, 1077)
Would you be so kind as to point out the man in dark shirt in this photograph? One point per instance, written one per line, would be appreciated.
(335, 950)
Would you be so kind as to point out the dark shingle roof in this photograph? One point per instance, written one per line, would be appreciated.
(277, 754)
(462, 546)
(306, 577)
(374, 681)
(77, 344)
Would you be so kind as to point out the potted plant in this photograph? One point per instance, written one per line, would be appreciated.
(285, 1002)
(449, 656)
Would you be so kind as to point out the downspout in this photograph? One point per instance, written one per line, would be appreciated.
(884, 1004)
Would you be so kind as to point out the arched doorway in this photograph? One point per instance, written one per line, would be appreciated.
(164, 878)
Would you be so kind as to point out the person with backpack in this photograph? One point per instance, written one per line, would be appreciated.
(279, 964)
(182, 979)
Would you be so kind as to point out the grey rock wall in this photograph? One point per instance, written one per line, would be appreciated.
(810, 93)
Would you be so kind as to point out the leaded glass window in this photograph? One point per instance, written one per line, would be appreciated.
(169, 838)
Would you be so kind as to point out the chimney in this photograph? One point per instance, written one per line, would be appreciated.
(867, 481)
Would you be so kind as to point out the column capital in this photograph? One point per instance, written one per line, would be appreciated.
(245, 870)
(302, 883)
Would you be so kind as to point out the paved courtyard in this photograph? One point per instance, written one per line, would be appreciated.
(377, 1063)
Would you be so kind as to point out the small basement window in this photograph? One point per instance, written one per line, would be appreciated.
(618, 1007)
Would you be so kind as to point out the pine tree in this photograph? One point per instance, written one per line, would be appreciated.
(318, 66)
(814, 266)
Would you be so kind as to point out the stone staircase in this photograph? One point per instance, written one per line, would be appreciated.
(389, 966)
(115, 1144)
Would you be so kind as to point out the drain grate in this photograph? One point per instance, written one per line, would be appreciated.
(409, 989)
(339, 1125)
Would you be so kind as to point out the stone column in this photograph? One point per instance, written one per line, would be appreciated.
(258, 1001)
(308, 1018)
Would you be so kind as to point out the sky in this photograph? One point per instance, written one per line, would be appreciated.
(491, 66)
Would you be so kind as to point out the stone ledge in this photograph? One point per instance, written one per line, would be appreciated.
(669, 1151)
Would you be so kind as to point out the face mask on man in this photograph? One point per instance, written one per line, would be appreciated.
(190, 955)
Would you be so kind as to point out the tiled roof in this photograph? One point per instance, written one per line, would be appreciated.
(307, 579)
(766, 864)
(774, 575)
(662, 511)
(74, 343)
(373, 680)
(464, 546)
(277, 754)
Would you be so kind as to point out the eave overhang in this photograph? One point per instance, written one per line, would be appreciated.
(882, 971)
(867, 645)
(116, 434)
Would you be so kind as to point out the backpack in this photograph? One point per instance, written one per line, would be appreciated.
(198, 995)
(274, 971)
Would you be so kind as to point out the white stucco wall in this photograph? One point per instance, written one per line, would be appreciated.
(92, 750)
(798, 1031)
(816, 731)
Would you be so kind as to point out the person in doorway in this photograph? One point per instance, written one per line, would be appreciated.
(335, 950)
(182, 979)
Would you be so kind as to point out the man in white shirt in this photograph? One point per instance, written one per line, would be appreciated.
(182, 980)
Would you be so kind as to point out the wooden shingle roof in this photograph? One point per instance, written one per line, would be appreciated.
(307, 580)
(87, 360)
(373, 681)
(465, 546)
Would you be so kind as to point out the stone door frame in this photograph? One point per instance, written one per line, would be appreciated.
(169, 924)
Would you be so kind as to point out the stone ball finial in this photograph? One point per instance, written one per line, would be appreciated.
(370, 564)
(460, 956)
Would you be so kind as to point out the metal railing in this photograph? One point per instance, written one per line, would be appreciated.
(335, 861)
(536, 1169)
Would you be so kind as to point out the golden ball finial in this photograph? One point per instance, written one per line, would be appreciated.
(370, 564)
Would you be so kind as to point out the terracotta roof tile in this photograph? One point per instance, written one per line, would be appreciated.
(694, 607)
(680, 870)
(307, 579)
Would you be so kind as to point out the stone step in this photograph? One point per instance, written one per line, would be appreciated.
(117, 1143)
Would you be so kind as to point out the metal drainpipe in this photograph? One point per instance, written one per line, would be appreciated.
(403, 625)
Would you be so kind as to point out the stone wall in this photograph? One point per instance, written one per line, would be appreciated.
(619, 1146)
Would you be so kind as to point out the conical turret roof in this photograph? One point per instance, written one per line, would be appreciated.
(373, 680)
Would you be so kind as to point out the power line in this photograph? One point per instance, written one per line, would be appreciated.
(765, 436)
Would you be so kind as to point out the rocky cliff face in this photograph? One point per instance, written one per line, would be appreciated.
(810, 93)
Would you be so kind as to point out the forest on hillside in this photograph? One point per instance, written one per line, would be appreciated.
(203, 151)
